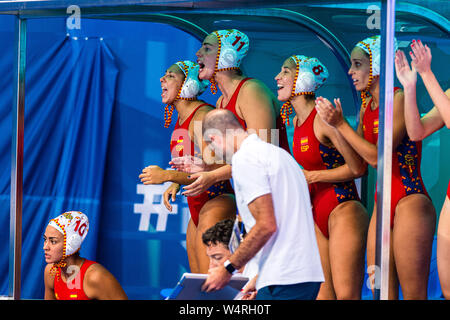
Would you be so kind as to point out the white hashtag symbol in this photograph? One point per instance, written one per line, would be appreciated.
(148, 207)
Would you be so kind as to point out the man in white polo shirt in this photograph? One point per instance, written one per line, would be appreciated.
(273, 200)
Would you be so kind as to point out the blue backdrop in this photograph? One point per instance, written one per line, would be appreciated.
(70, 89)
(93, 121)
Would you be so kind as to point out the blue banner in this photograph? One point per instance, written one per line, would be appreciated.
(70, 90)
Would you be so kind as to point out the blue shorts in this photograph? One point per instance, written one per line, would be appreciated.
(298, 291)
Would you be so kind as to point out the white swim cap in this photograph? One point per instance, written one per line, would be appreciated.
(192, 85)
(310, 75)
(372, 46)
(74, 226)
(190, 89)
(233, 47)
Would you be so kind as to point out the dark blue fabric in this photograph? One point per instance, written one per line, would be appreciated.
(70, 91)
(298, 291)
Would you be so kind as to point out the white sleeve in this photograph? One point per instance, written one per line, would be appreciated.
(251, 175)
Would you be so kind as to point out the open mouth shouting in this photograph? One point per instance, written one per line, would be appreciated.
(164, 91)
(201, 66)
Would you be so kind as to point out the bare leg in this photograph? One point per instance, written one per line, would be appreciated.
(190, 246)
(348, 224)
(326, 291)
(371, 248)
(443, 248)
(215, 210)
(414, 226)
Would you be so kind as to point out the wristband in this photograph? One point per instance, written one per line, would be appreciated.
(230, 268)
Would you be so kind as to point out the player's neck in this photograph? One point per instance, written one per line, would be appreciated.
(184, 108)
(375, 93)
(303, 107)
(74, 260)
(228, 82)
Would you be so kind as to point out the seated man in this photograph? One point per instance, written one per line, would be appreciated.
(68, 276)
(216, 240)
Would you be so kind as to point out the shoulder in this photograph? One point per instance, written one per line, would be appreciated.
(254, 86)
(363, 109)
(96, 275)
(219, 100)
(47, 268)
(399, 92)
(100, 284)
(202, 111)
(47, 273)
(49, 278)
(255, 96)
(399, 95)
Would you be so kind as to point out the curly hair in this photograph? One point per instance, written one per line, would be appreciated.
(219, 233)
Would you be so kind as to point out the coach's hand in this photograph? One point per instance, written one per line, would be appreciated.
(218, 278)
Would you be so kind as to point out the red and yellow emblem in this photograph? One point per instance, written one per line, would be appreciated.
(304, 144)
(179, 147)
(375, 126)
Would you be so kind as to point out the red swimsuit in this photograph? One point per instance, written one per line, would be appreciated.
(75, 292)
(448, 190)
(312, 155)
(406, 176)
(283, 140)
(180, 145)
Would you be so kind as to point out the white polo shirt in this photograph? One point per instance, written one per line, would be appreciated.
(291, 255)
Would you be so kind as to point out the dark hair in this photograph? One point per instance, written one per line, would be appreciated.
(219, 233)
(310, 97)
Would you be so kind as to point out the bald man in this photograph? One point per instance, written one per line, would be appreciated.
(273, 199)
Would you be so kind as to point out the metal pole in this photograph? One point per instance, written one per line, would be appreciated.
(15, 231)
(384, 167)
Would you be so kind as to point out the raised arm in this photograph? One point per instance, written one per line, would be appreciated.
(421, 61)
(417, 128)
